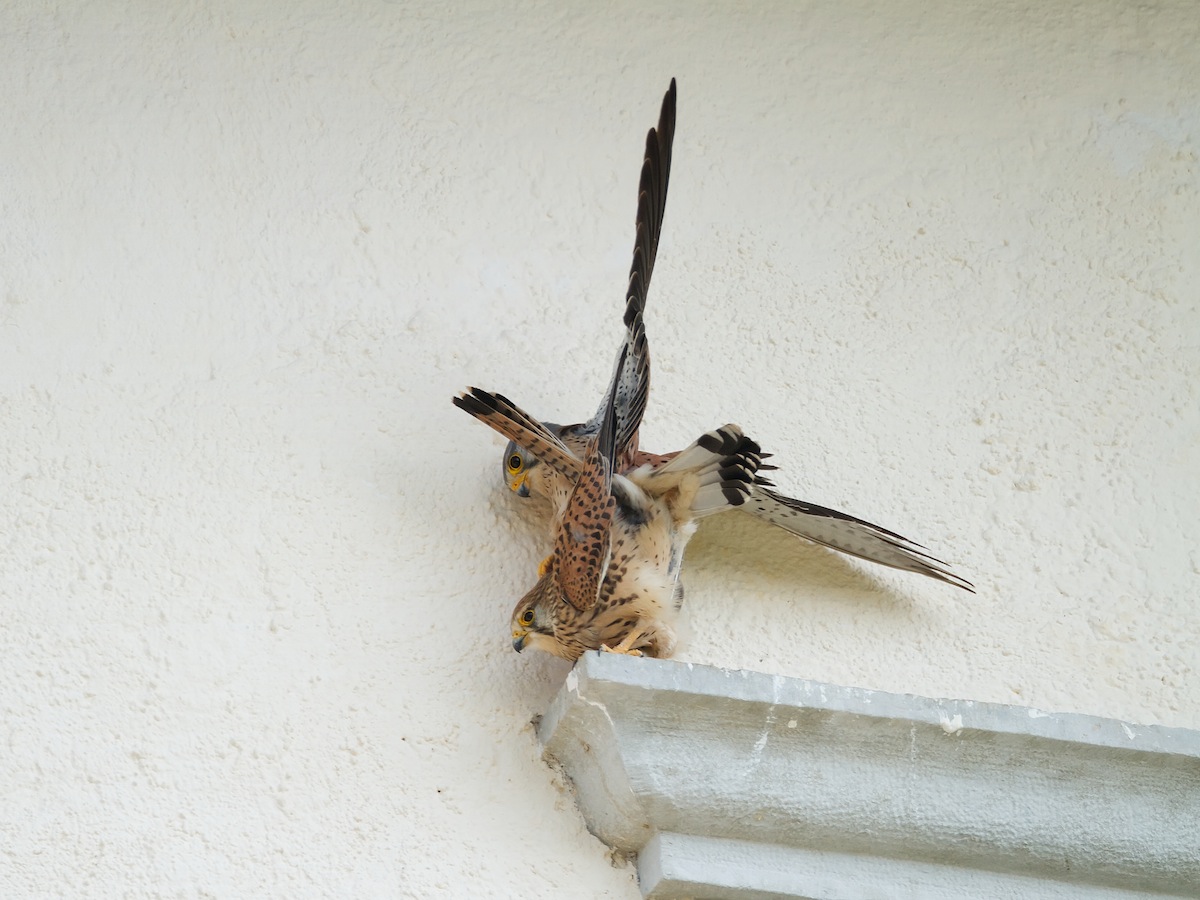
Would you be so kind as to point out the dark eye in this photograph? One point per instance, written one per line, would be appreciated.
(514, 462)
(527, 617)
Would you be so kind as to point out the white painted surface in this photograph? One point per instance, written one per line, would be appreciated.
(255, 569)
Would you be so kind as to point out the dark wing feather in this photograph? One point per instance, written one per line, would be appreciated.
(633, 386)
(847, 534)
(501, 414)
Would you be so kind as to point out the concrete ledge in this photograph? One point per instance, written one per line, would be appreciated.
(744, 785)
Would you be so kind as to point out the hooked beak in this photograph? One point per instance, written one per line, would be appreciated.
(520, 488)
(519, 641)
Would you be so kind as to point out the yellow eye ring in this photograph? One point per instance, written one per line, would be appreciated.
(526, 617)
(515, 462)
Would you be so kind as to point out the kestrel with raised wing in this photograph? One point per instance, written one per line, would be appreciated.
(525, 471)
(632, 387)
(612, 581)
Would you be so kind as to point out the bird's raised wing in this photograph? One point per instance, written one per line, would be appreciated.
(633, 385)
(504, 416)
(847, 534)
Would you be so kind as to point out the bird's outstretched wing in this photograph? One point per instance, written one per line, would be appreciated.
(504, 416)
(847, 534)
(633, 385)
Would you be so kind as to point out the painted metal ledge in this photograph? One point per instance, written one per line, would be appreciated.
(743, 785)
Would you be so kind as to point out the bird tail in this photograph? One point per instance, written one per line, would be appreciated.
(719, 467)
(847, 534)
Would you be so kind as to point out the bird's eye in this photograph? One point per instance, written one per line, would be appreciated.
(514, 463)
(526, 617)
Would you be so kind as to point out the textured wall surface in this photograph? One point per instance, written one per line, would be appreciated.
(255, 570)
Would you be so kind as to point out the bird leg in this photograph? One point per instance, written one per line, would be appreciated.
(627, 643)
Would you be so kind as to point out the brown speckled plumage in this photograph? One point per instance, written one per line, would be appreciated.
(623, 517)
(541, 474)
(637, 591)
(613, 578)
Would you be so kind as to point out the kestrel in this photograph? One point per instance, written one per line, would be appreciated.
(525, 472)
(612, 581)
(526, 475)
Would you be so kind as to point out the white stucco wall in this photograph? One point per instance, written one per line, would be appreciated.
(255, 570)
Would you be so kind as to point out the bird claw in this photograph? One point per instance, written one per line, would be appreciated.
(604, 648)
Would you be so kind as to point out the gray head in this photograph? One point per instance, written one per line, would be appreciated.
(517, 464)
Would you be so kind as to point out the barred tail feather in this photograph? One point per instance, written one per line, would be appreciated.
(719, 466)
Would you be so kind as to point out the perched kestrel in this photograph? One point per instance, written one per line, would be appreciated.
(524, 470)
(612, 581)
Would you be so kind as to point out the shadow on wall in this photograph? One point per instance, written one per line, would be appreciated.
(761, 558)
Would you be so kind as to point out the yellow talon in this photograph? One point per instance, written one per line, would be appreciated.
(622, 648)
(544, 565)
(607, 649)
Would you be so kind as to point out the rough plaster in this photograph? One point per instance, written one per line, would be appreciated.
(255, 569)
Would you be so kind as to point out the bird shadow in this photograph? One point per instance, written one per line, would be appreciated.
(764, 558)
